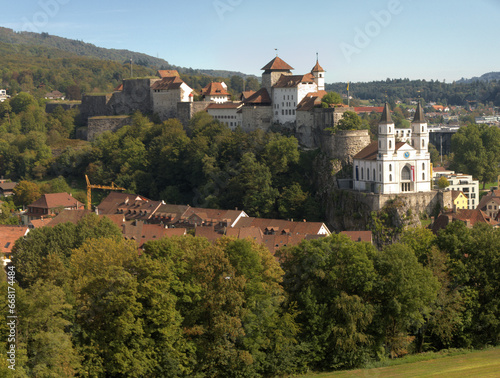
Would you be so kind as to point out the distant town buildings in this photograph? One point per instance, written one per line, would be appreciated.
(3, 95)
(460, 182)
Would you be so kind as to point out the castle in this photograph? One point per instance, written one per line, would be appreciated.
(290, 101)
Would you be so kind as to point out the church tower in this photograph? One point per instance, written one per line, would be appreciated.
(386, 133)
(420, 133)
(319, 75)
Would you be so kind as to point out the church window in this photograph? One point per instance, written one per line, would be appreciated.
(423, 143)
(423, 166)
(422, 129)
(390, 144)
(390, 178)
(320, 75)
(390, 167)
(406, 174)
(423, 176)
(389, 129)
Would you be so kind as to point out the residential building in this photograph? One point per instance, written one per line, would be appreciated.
(459, 200)
(49, 205)
(54, 95)
(359, 236)
(467, 216)
(3, 95)
(228, 113)
(463, 183)
(387, 166)
(490, 203)
(8, 237)
(7, 188)
(216, 92)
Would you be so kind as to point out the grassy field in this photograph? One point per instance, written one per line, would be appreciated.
(469, 364)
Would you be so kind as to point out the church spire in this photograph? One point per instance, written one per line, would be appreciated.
(386, 115)
(419, 115)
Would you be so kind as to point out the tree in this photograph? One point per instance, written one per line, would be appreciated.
(350, 121)
(22, 102)
(475, 149)
(331, 98)
(25, 193)
(331, 280)
(443, 182)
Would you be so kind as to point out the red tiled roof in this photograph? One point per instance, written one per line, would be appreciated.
(9, 235)
(368, 109)
(246, 94)
(317, 68)
(54, 200)
(277, 64)
(280, 225)
(207, 232)
(311, 100)
(167, 73)
(357, 236)
(370, 152)
(291, 81)
(167, 83)
(214, 89)
(261, 97)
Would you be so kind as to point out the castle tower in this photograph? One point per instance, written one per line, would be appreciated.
(386, 133)
(420, 134)
(319, 75)
(273, 71)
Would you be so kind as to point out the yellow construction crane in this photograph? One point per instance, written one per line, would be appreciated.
(90, 187)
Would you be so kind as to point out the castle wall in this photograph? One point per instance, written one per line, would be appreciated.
(98, 125)
(256, 117)
(95, 105)
(51, 106)
(165, 103)
(186, 110)
(343, 145)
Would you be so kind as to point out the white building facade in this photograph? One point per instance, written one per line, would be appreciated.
(394, 167)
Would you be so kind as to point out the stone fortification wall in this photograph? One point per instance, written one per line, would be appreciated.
(98, 125)
(165, 103)
(256, 117)
(136, 95)
(51, 106)
(186, 110)
(95, 105)
(343, 145)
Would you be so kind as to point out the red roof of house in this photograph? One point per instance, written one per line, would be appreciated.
(368, 109)
(167, 83)
(317, 68)
(280, 225)
(225, 105)
(167, 73)
(246, 94)
(214, 89)
(311, 100)
(277, 64)
(54, 200)
(358, 236)
(9, 235)
(261, 97)
(291, 81)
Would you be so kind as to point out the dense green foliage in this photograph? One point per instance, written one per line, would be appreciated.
(476, 152)
(391, 90)
(92, 306)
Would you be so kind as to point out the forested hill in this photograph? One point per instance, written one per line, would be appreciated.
(490, 76)
(87, 49)
(437, 91)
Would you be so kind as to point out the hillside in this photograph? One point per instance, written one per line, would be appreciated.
(89, 50)
(487, 77)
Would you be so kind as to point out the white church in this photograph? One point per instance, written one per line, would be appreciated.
(390, 166)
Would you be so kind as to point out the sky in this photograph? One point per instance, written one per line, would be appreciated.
(356, 41)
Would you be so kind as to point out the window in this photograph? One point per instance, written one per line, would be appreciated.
(374, 175)
(422, 129)
(423, 144)
(362, 178)
(390, 178)
(406, 174)
(368, 174)
(379, 144)
(390, 144)
(423, 176)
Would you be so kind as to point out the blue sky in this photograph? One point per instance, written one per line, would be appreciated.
(357, 40)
